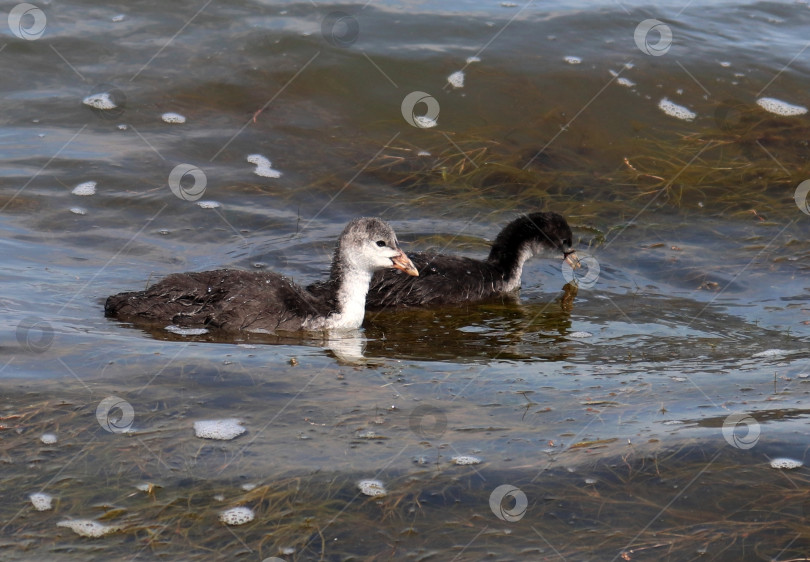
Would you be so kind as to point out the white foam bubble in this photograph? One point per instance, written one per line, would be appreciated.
(41, 501)
(237, 516)
(580, 335)
(88, 528)
(423, 153)
(259, 160)
(118, 18)
(249, 487)
(174, 118)
(264, 167)
(48, 438)
(100, 101)
(425, 122)
(725, 64)
(456, 79)
(224, 430)
(209, 204)
(185, 331)
(784, 463)
(626, 82)
(780, 107)
(372, 435)
(78, 211)
(770, 353)
(465, 459)
(572, 60)
(85, 188)
(473, 59)
(373, 488)
(674, 110)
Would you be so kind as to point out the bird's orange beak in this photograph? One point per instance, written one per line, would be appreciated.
(403, 262)
(570, 257)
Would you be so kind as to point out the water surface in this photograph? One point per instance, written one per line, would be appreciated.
(637, 413)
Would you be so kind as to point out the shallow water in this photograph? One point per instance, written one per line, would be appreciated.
(695, 311)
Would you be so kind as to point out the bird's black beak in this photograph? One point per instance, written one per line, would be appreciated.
(403, 262)
(570, 257)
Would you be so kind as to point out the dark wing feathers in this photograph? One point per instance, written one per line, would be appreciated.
(442, 280)
(230, 300)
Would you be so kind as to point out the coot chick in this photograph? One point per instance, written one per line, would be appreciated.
(447, 279)
(233, 300)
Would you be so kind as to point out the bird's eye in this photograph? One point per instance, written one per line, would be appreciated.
(380, 243)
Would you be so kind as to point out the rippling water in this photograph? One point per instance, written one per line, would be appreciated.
(299, 117)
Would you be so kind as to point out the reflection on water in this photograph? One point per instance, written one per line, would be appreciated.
(698, 317)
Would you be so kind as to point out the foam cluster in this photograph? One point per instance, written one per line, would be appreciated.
(674, 110)
(85, 188)
(456, 79)
(770, 353)
(41, 501)
(373, 488)
(780, 107)
(264, 167)
(88, 528)
(466, 459)
(784, 463)
(173, 118)
(100, 101)
(237, 516)
(223, 430)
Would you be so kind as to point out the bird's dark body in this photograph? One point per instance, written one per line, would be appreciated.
(234, 301)
(226, 299)
(444, 280)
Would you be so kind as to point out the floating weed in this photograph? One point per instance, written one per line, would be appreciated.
(701, 171)
(676, 499)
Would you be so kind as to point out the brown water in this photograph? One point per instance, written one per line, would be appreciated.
(611, 407)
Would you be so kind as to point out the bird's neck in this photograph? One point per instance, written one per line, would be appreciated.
(512, 247)
(510, 262)
(351, 287)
